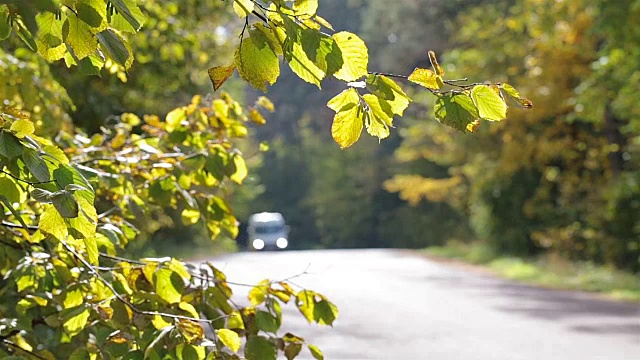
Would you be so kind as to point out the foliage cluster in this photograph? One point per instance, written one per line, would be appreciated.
(71, 203)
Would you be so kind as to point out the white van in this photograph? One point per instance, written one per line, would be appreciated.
(268, 231)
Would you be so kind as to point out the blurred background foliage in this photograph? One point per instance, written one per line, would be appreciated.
(562, 179)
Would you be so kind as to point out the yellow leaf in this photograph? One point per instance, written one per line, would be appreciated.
(73, 298)
(347, 125)
(256, 62)
(426, 78)
(256, 117)
(266, 103)
(22, 128)
(243, 7)
(346, 98)
(377, 120)
(190, 216)
(320, 20)
(189, 309)
(241, 169)
(220, 74)
(52, 223)
(490, 104)
(355, 56)
(230, 339)
(304, 67)
(305, 7)
(434, 62)
(159, 322)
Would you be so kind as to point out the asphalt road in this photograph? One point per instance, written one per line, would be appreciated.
(398, 305)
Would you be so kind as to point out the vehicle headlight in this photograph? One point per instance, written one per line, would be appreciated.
(282, 243)
(258, 244)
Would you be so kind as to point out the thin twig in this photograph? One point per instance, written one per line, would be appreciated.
(17, 226)
(16, 346)
(30, 182)
(390, 75)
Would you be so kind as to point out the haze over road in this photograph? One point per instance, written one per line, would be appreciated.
(397, 305)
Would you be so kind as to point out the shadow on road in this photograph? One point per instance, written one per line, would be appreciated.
(551, 305)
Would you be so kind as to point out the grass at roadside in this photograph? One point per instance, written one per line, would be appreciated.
(547, 271)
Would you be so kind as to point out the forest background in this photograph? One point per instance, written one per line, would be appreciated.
(563, 179)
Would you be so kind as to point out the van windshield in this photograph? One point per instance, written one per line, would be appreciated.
(268, 229)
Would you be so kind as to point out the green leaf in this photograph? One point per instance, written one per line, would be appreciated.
(315, 352)
(130, 12)
(49, 40)
(64, 202)
(456, 110)
(301, 64)
(37, 167)
(256, 62)
(93, 13)
(5, 22)
(379, 116)
(266, 322)
(230, 339)
(355, 56)
(324, 312)
(66, 175)
(22, 128)
(305, 301)
(10, 146)
(191, 352)
(489, 103)
(234, 321)
(116, 47)
(55, 153)
(292, 350)
(169, 285)
(243, 8)
(77, 34)
(91, 246)
(179, 268)
(305, 7)
(426, 78)
(11, 190)
(322, 50)
(91, 65)
(14, 212)
(220, 74)
(25, 35)
(386, 89)
(52, 223)
(345, 100)
(77, 320)
(259, 348)
(512, 94)
(275, 36)
(347, 125)
(41, 195)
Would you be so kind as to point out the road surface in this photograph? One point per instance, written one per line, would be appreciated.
(397, 305)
